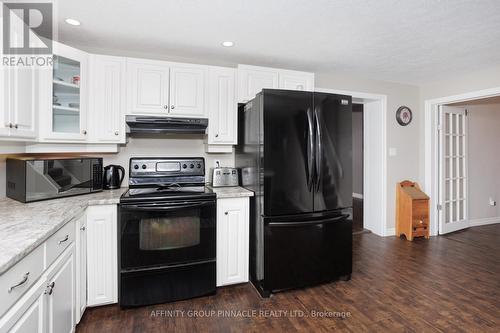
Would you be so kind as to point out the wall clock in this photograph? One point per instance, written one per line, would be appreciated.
(404, 115)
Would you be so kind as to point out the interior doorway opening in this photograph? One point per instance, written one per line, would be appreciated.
(462, 160)
(358, 168)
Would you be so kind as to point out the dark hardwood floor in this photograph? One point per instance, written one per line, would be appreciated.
(445, 284)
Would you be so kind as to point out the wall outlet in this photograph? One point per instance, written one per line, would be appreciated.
(492, 202)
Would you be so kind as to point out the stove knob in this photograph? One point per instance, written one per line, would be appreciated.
(198, 165)
(184, 166)
(144, 166)
(191, 166)
(136, 167)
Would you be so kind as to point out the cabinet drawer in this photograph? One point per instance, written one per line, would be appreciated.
(420, 209)
(60, 241)
(17, 280)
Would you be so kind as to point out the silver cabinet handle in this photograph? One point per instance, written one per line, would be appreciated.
(165, 107)
(116, 133)
(15, 126)
(226, 213)
(216, 135)
(20, 283)
(172, 107)
(50, 288)
(82, 228)
(63, 240)
(84, 132)
(10, 125)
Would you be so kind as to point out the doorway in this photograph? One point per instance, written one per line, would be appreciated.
(461, 160)
(357, 161)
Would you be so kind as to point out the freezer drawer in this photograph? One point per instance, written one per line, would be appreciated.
(306, 252)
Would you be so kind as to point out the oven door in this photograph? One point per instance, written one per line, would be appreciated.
(161, 234)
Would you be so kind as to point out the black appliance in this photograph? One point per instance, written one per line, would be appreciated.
(295, 153)
(167, 234)
(166, 125)
(39, 178)
(112, 177)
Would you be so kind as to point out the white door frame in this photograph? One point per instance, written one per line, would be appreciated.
(375, 159)
(431, 185)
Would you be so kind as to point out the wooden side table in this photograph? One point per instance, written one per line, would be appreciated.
(412, 211)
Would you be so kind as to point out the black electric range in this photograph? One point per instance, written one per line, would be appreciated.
(167, 232)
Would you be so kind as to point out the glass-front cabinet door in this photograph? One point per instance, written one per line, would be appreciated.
(64, 115)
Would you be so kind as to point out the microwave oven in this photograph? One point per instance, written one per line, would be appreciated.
(32, 179)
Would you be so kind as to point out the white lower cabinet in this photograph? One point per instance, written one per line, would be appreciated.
(232, 240)
(81, 267)
(102, 256)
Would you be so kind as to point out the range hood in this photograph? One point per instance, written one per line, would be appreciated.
(166, 125)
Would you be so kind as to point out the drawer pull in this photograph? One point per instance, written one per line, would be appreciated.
(63, 240)
(20, 283)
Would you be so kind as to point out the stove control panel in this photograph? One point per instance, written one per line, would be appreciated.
(151, 167)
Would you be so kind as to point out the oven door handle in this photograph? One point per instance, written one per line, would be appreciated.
(166, 207)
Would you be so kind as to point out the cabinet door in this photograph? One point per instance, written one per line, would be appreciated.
(232, 241)
(4, 104)
(294, 80)
(22, 83)
(222, 107)
(61, 295)
(27, 315)
(102, 260)
(81, 267)
(187, 91)
(107, 99)
(64, 96)
(252, 79)
(148, 86)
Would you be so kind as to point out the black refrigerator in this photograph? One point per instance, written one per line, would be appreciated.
(295, 153)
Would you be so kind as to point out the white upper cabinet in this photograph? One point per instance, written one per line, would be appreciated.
(294, 80)
(107, 99)
(252, 79)
(222, 106)
(19, 97)
(187, 90)
(148, 86)
(64, 96)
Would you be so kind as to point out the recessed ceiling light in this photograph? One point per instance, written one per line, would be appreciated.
(227, 44)
(72, 21)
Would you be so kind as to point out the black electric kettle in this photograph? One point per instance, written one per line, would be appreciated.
(112, 178)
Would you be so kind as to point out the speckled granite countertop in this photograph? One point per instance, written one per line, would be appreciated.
(23, 227)
(231, 192)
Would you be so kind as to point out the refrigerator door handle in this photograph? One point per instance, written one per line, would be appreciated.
(306, 223)
(310, 150)
(319, 147)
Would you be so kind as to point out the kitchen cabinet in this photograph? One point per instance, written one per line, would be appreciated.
(295, 80)
(107, 99)
(64, 96)
(102, 257)
(81, 267)
(222, 106)
(61, 296)
(232, 240)
(252, 79)
(19, 93)
(148, 86)
(187, 90)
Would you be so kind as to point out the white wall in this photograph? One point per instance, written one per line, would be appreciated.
(405, 165)
(484, 160)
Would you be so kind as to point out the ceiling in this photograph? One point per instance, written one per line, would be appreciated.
(393, 40)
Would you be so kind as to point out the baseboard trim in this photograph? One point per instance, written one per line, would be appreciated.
(484, 221)
(357, 196)
(390, 231)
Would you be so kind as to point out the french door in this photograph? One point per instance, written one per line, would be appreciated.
(453, 154)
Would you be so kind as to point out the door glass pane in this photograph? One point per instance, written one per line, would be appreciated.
(447, 145)
(165, 233)
(447, 124)
(462, 210)
(66, 95)
(453, 123)
(461, 124)
(447, 215)
(447, 190)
